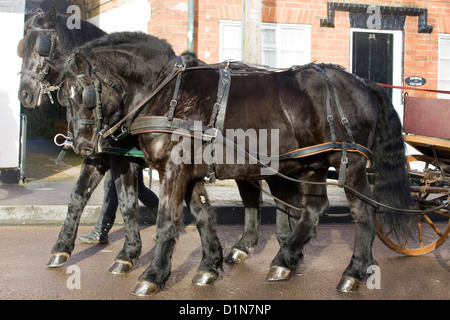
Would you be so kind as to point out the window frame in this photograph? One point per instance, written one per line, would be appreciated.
(443, 37)
(277, 47)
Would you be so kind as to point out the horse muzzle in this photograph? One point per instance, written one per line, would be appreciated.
(26, 98)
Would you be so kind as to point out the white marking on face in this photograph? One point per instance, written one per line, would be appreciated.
(158, 146)
(72, 92)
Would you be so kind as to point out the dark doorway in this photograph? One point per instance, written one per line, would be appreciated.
(373, 57)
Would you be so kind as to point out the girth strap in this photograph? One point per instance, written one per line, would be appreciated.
(218, 116)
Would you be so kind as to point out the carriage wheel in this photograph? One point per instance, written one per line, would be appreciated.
(432, 228)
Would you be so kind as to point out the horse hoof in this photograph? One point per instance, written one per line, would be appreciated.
(278, 273)
(145, 288)
(348, 284)
(58, 259)
(236, 256)
(204, 278)
(120, 267)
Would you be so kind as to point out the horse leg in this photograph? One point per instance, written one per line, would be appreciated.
(363, 215)
(125, 175)
(99, 235)
(173, 185)
(250, 197)
(313, 204)
(286, 217)
(91, 173)
(205, 220)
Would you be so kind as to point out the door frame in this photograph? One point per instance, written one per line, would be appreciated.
(397, 64)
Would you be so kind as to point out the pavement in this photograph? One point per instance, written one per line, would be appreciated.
(42, 198)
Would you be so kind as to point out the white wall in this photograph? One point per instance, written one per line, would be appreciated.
(133, 16)
(11, 22)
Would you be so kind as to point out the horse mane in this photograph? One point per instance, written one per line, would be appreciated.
(137, 43)
(72, 38)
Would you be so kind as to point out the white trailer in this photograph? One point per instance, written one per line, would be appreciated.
(12, 123)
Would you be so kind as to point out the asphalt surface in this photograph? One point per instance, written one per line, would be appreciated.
(31, 214)
(24, 251)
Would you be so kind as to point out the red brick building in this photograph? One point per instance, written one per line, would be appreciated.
(388, 39)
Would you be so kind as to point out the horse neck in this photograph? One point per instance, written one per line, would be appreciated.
(138, 82)
(70, 39)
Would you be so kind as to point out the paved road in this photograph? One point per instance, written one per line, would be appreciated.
(25, 249)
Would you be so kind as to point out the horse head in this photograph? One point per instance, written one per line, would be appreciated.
(37, 46)
(47, 39)
(94, 103)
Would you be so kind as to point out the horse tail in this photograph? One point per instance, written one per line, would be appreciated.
(391, 179)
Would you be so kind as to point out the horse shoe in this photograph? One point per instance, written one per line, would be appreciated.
(277, 273)
(236, 256)
(348, 284)
(120, 267)
(145, 288)
(204, 278)
(58, 259)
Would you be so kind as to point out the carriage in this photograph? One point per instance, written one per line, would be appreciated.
(426, 130)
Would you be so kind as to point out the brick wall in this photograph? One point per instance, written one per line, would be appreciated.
(169, 21)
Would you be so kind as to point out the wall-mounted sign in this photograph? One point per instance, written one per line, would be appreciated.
(415, 81)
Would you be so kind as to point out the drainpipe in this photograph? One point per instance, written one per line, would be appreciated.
(190, 26)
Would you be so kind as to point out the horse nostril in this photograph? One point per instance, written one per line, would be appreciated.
(86, 152)
(26, 96)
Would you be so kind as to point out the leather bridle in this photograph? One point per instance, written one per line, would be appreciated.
(45, 86)
(97, 105)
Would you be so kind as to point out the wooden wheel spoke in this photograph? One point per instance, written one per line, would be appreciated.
(433, 226)
(424, 239)
(419, 226)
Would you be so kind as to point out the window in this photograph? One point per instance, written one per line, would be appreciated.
(444, 65)
(282, 45)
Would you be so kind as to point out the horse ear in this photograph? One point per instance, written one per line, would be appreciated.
(49, 19)
(80, 64)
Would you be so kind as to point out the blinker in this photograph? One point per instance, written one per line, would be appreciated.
(90, 97)
(19, 49)
(43, 46)
(62, 98)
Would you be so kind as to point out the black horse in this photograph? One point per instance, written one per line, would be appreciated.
(300, 104)
(47, 39)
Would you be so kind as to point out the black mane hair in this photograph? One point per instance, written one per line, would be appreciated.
(139, 43)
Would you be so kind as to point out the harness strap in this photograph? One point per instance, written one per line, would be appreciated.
(324, 147)
(343, 166)
(218, 115)
(176, 70)
(174, 102)
(149, 124)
